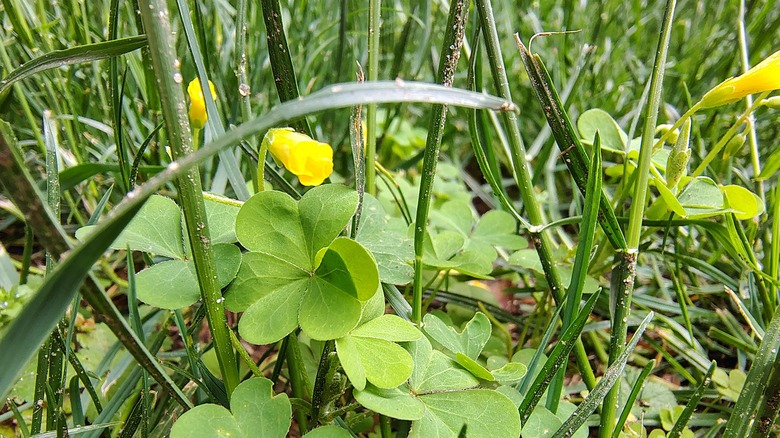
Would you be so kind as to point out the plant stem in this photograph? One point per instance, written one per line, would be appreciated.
(448, 62)
(281, 63)
(623, 278)
(374, 24)
(751, 128)
(154, 14)
(715, 150)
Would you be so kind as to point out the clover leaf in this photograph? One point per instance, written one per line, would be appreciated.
(297, 271)
(255, 412)
(441, 397)
(370, 353)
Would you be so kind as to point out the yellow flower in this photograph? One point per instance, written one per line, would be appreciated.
(763, 77)
(198, 114)
(310, 160)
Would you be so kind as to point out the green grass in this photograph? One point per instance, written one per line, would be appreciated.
(457, 170)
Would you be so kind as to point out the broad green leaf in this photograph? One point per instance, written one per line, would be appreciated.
(259, 274)
(526, 258)
(328, 432)
(469, 342)
(173, 284)
(324, 211)
(222, 221)
(369, 352)
(396, 403)
(434, 371)
(702, 198)
(207, 421)
(156, 229)
(474, 367)
(746, 204)
(511, 372)
(497, 228)
(542, 423)
(347, 259)
(486, 413)
(441, 248)
(327, 312)
(387, 240)
(295, 257)
(347, 350)
(386, 364)
(612, 136)
(455, 216)
(390, 328)
(256, 412)
(269, 222)
(672, 203)
(274, 315)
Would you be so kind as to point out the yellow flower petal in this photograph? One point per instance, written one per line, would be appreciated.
(197, 112)
(310, 160)
(765, 76)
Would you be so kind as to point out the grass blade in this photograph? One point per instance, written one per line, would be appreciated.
(576, 159)
(748, 403)
(557, 358)
(635, 390)
(48, 305)
(448, 62)
(74, 55)
(682, 420)
(610, 377)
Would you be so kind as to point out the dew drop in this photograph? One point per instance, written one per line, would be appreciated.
(244, 90)
(177, 78)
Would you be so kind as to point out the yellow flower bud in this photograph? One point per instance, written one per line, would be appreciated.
(310, 160)
(763, 77)
(198, 114)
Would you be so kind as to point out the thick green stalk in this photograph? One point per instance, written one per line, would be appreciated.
(373, 74)
(281, 63)
(155, 16)
(623, 278)
(520, 165)
(448, 62)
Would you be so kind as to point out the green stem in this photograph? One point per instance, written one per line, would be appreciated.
(714, 151)
(154, 14)
(448, 62)
(318, 396)
(281, 62)
(623, 278)
(374, 24)
(752, 139)
(520, 164)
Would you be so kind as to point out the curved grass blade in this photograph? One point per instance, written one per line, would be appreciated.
(74, 55)
(47, 306)
(557, 358)
(336, 96)
(610, 377)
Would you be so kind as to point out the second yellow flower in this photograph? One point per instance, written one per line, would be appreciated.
(310, 160)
